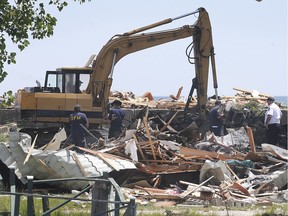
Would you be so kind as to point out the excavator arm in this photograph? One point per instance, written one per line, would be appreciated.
(45, 108)
(122, 45)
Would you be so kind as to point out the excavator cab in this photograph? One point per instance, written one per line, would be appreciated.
(63, 80)
(68, 80)
(53, 102)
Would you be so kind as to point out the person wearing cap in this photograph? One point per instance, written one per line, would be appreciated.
(272, 122)
(71, 87)
(78, 120)
(116, 116)
(78, 90)
(216, 120)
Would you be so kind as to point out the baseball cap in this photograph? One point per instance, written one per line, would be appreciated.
(218, 102)
(270, 99)
(117, 102)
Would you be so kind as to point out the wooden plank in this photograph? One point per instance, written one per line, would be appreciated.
(195, 185)
(170, 120)
(149, 137)
(249, 92)
(30, 151)
(251, 139)
(178, 94)
(187, 192)
(241, 188)
(70, 147)
(157, 181)
(107, 161)
(79, 164)
(229, 168)
(171, 129)
(239, 195)
(52, 172)
(196, 152)
(138, 147)
(158, 196)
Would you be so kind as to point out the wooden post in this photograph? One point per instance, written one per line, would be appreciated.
(149, 137)
(251, 140)
(100, 194)
(148, 133)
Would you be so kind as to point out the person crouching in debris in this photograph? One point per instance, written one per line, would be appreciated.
(272, 122)
(216, 120)
(116, 116)
(78, 121)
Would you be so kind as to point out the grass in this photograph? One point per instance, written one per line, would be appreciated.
(3, 137)
(174, 211)
(276, 209)
(83, 209)
(71, 208)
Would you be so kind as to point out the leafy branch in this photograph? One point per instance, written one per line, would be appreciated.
(23, 20)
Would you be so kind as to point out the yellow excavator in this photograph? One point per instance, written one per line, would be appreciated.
(51, 104)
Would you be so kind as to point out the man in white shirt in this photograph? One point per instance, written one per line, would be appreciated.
(272, 121)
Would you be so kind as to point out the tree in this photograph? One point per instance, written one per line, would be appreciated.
(23, 20)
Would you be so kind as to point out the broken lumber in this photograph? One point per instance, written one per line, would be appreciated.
(148, 134)
(30, 151)
(187, 192)
(249, 92)
(251, 139)
(196, 152)
(168, 123)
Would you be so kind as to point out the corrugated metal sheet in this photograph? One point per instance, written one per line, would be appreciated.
(7, 158)
(58, 164)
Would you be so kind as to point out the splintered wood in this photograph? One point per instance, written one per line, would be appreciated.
(173, 159)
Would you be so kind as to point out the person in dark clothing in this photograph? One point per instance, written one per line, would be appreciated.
(116, 116)
(216, 120)
(77, 121)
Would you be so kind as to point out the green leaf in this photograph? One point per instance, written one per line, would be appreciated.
(21, 21)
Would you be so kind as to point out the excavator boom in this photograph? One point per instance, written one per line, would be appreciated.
(127, 43)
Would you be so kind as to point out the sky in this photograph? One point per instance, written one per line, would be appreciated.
(249, 37)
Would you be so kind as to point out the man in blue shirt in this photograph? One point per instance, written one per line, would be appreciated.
(216, 120)
(77, 121)
(116, 116)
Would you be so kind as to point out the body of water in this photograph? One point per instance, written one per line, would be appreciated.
(281, 99)
(278, 99)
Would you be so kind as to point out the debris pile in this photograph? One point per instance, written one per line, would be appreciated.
(130, 100)
(246, 108)
(167, 157)
(242, 97)
(216, 169)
